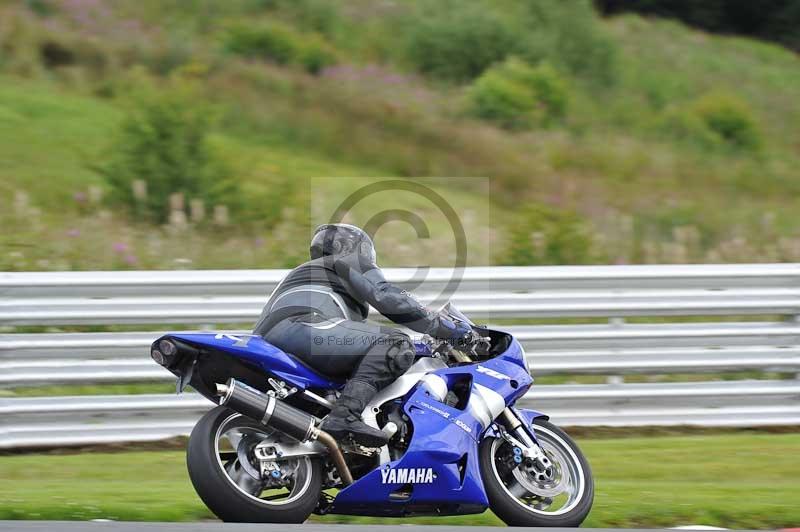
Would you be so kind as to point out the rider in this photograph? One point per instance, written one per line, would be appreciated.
(318, 312)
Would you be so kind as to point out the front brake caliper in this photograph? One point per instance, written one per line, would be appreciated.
(522, 452)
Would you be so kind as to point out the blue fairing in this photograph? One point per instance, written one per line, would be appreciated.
(438, 444)
(442, 455)
(445, 439)
(254, 349)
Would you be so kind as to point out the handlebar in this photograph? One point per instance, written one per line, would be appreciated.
(464, 350)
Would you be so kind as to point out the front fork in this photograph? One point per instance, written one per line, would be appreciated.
(513, 430)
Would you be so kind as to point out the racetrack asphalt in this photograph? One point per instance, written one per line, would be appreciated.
(114, 526)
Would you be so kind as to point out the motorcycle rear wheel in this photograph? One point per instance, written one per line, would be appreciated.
(523, 495)
(228, 487)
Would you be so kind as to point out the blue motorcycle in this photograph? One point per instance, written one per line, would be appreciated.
(457, 443)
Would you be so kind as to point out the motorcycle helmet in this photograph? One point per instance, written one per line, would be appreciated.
(339, 239)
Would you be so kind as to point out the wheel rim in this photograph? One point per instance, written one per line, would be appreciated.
(540, 492)
(234, 442)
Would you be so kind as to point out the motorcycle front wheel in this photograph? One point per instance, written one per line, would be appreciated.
(235, 485)
(523, 493)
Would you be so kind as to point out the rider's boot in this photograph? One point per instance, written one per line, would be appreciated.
(345, 418)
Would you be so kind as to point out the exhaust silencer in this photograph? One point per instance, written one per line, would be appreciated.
(266, 409)
(272, 412)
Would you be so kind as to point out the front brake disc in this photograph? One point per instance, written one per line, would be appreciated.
(548, 488)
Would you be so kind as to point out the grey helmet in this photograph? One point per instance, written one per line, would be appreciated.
(340, 239)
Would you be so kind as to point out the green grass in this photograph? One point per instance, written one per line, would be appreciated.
(166, 387)
(89, 389)
(729, 480)
(50, 136)
(58, 232)
(54, 135)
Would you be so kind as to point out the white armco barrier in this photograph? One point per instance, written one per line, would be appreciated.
(759, 332)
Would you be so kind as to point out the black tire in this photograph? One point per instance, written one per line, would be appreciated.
(515, 513)
(220, 494)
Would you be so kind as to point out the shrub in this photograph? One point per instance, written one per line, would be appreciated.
(273, 42)
(27, 47)
(516, 95)
(43, 8)
(501, 100)
(567, 33)
(315, 54)
(547, 236)
(548, 86)
(730, 118)
(713, 120)
(320, 16)
(458, 41)
(683, 124)
(280, 44)
(163, 141)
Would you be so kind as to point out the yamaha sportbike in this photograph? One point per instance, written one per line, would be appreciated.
(457, 445)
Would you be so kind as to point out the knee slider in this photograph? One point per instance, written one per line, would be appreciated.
(400, 353)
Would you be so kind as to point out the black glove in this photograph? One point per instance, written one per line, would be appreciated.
(460, 332)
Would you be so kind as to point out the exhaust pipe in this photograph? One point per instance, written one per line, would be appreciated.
(271, 412)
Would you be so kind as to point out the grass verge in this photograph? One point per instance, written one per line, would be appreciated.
(732, 480)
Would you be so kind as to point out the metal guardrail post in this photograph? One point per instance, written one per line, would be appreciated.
(615, 380)
(796, 319)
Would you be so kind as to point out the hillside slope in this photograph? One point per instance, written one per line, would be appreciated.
(675, 146)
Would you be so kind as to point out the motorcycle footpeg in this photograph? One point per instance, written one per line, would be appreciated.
(349, 445)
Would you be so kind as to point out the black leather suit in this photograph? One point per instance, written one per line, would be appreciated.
(319, 314)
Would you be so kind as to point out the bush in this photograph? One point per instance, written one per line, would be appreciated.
(547, 236)
(272, 42)
(163, 141)
(730, 118)
(503, 101)
(280, 44)
(315, 54)
(516, 95)
(27, 47)
(713, 120)
(320, 16)
(567, 33)
(43, 8)
(458, 41)
(683, 124)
